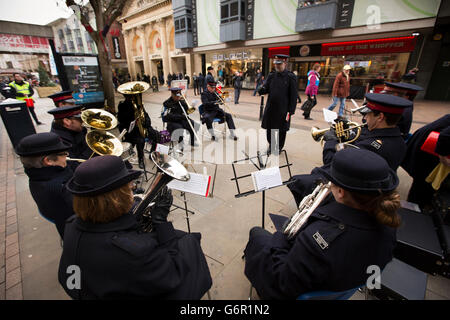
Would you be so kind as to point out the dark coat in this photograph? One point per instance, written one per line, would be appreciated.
(52, 198)
(237, 82)
(125, 116)
(210, 106)
(118, 261)
(387, 142)
(419, 164)
(208, 78)
(174, 116)
(405, 121)
(79, 149)
(279, 268)
(282, 90)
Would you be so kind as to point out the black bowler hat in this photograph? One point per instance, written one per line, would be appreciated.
(66, 112)
(62, 96)
(210, 68)
(385, 103)
(362, 171)
(409, 87)
(280, 58)
(99, 175)
(41, 144)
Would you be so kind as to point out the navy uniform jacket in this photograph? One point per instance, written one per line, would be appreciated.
(348, 241)
(52, 198)
(387, 142)
(79, 149)
(282, 90)
(118, 261)
(174, 112)
(210, 106)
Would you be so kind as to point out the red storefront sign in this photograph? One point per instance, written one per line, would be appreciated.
(278, 50)
(20, 43)
(388, 45)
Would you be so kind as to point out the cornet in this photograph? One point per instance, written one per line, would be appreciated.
(343, 135)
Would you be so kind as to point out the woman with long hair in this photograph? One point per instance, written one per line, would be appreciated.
(312, 88)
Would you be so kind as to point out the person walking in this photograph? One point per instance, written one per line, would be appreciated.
(311, 91)
(201, 81)
(237, 84)
(341, 89)
(23, 91)
(259, 81)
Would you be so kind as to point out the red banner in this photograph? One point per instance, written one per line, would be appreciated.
(278, 50)
(389, 45)
(20, 43)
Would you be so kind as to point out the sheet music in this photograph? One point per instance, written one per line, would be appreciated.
(410, 206)
(132, 124)
(267, 178)
(197, 184)
(162, 149)
(329, 115)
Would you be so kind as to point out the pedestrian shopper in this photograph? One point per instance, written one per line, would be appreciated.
(311, 91)
(195, 83)
(237, 84)
(201, 82)
(23, 91)
(258, 81)
(341, 89)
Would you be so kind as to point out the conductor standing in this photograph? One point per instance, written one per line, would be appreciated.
(281, 85)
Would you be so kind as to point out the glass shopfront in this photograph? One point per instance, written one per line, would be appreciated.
(227, 62)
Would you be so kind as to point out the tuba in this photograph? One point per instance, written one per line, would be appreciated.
(168, 169)
(135, 90)
(306, 208)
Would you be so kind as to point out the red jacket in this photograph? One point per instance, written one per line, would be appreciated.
(341, 86)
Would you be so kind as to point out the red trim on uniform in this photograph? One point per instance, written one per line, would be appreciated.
(66, 114)
(430, 142)
(383, 108)
(62, 98)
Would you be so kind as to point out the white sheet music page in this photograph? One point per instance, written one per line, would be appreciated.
(162, 148)
(328, 115)
(197, 184)
(131, 127)
(267, 178)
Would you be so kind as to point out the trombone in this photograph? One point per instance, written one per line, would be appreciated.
(224, 104)
(190, 110)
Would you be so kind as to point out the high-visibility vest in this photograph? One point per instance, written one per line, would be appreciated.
(24, 88)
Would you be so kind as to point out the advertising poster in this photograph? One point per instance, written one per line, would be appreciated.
(83, 74)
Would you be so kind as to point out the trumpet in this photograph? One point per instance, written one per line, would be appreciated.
(168, 169)
(135, 90)
(343, 134)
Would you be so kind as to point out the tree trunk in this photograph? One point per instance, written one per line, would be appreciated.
(105, 69)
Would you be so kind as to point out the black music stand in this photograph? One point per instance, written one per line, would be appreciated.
(260, 166)
(186, 210)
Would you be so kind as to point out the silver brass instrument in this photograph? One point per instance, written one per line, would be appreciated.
(135, 90)
(168, 169)
(306, 208)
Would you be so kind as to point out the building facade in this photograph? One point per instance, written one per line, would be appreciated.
(373, 36)
(149, 33)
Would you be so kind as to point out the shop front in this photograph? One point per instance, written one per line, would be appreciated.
(227, 62)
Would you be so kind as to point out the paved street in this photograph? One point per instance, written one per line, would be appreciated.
(30, 246)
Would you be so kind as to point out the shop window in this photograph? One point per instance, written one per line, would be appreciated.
(60, 34)
(71, 45)
(183, 24)
(232, 11)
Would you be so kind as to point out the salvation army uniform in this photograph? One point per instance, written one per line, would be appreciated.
(62, 98)
(117, 260)
(333, 249)
(282, 99)
(409, 91)
(80, 148)
(387, 142)
(175, 117)
(47, 183)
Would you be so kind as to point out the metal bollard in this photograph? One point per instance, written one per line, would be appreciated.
(261, 108)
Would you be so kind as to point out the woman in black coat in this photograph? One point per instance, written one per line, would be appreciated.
(115, 258)
(332, 250)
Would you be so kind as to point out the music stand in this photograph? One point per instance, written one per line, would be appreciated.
(261, 165)
(186, 210)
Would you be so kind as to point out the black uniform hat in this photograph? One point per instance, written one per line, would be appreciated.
(41, 144)
(210, 68)
(176, 91)
(66, 112)
(212, 84)
(385, 103)
(361, 170)
(62, 96)
(280, 58)
(99, 175)
(411, 88)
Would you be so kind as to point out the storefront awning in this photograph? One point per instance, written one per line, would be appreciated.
(377, 46)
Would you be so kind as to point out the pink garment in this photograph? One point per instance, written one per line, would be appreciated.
(312, 89)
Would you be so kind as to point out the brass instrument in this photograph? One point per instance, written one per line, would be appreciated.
(135, 90)
(342, 134)
(98, 119)
(306, 208)
(224, 104)
(190, 109)
(168, 169)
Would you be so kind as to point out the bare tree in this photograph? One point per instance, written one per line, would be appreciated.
(106, 12)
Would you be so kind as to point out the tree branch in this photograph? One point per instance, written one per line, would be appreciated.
(84, 21)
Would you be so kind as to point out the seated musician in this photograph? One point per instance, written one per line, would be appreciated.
(68, 125)
(210, 102)
(116, 258)
(381, 135)
(62, 98)
(126, 116)
(43, 156)
(340, 239)
(420, 164)
(175, 117)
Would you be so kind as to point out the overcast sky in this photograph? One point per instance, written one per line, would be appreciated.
(38, 12)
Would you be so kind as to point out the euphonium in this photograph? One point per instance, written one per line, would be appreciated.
(168, 169)
(306, 208)
(135, 90)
